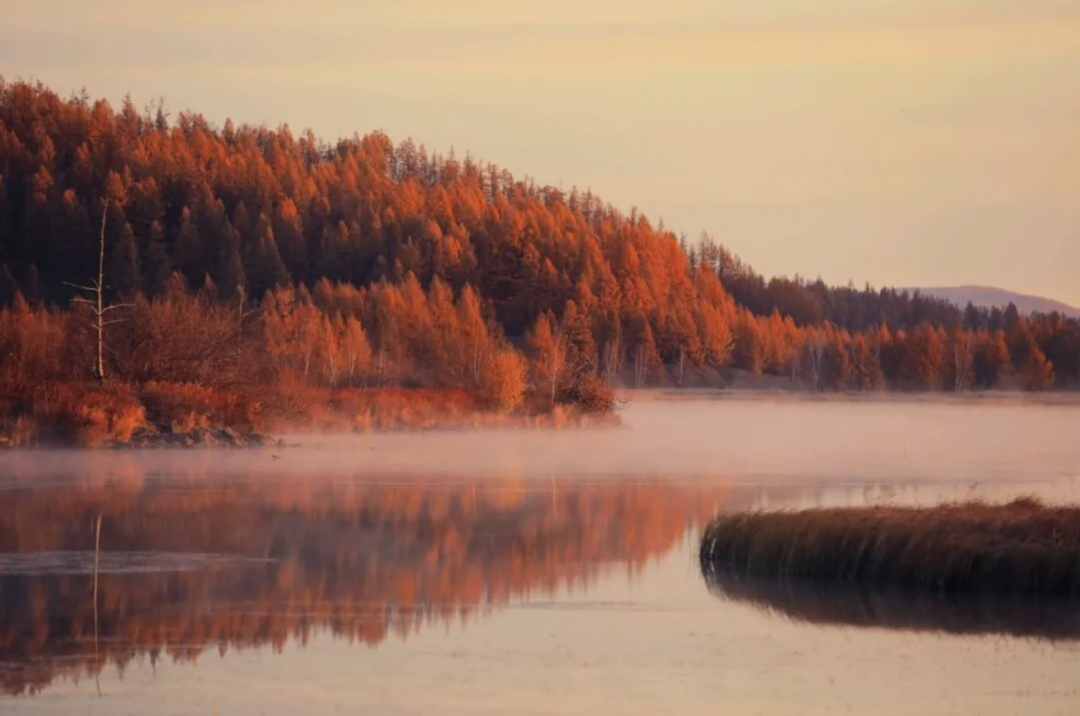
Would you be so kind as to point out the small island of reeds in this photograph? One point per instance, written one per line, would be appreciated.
(1023, 547)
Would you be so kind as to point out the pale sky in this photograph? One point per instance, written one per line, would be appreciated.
(901, 142)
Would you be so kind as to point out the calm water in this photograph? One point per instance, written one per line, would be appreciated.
(517, 573)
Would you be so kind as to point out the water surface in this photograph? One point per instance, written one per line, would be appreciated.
(517, 573)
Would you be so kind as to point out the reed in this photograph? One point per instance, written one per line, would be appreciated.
(1023, 547)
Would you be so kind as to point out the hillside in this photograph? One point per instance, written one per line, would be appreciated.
(991, 297)
(249, 267)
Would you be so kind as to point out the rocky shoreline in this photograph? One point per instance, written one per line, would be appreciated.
(152, 437)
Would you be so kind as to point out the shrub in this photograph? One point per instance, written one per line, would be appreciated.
(185, 406)
(504, 380)
(86, 414)
(593, 394)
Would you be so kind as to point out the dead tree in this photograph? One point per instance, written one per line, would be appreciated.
(241, 316)
(97, 301)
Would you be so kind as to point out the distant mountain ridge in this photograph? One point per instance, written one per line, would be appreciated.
(989, 296)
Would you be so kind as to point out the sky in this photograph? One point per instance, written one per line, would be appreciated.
(896, 142)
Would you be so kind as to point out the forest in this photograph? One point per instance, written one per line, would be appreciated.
(239, 257)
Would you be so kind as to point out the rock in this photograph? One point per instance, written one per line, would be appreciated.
(205, 436)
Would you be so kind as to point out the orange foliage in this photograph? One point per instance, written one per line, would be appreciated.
(85, 414)
(253, 257)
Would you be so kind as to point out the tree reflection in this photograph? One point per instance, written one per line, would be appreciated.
(189, 565)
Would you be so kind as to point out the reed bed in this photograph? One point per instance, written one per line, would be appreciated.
(965, 614)
(1023, 547)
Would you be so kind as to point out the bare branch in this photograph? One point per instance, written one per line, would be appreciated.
(117, 305)
(81, 288)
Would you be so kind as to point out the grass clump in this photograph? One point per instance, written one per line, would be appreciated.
(1023, 547)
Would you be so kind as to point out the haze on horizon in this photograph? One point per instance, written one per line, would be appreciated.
(900, 142)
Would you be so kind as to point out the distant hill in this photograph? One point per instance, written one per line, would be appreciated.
(989, 297)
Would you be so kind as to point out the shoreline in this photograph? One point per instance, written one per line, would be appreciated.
(987, 398)
(191, 427)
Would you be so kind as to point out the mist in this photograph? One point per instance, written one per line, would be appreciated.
(739, 441)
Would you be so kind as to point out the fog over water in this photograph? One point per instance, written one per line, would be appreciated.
(529, 572)
(744, 441)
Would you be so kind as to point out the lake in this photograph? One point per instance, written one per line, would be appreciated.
(518, 572)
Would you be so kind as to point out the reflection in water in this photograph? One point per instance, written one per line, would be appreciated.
(860, 606)
(187, 566)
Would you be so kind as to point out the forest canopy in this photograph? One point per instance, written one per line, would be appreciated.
(396, 266)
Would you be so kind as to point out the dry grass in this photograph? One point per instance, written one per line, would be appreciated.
(1053, 618)
(91, 415)
(82, 414)
(1020, 547)
(185, 407)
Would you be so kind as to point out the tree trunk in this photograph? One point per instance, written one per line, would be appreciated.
(99, 368)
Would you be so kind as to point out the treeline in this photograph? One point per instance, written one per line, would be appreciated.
(858, 310)
(334, 358)
(336, 336)
(255, 224)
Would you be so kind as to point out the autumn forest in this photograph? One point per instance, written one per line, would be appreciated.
(235, 258)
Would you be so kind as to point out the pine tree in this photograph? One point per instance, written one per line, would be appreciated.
(866, 368)
(922, 358)
(156, 264)
(228, 270)
(31, 286)
(190, 254)
(1037, 371)
(124, 278)
(8, 286)
(263, 265)
(749, 352)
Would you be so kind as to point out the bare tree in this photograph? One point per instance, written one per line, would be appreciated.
(554, 364)
(241, 316)
(97, 304)
(549, 348)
